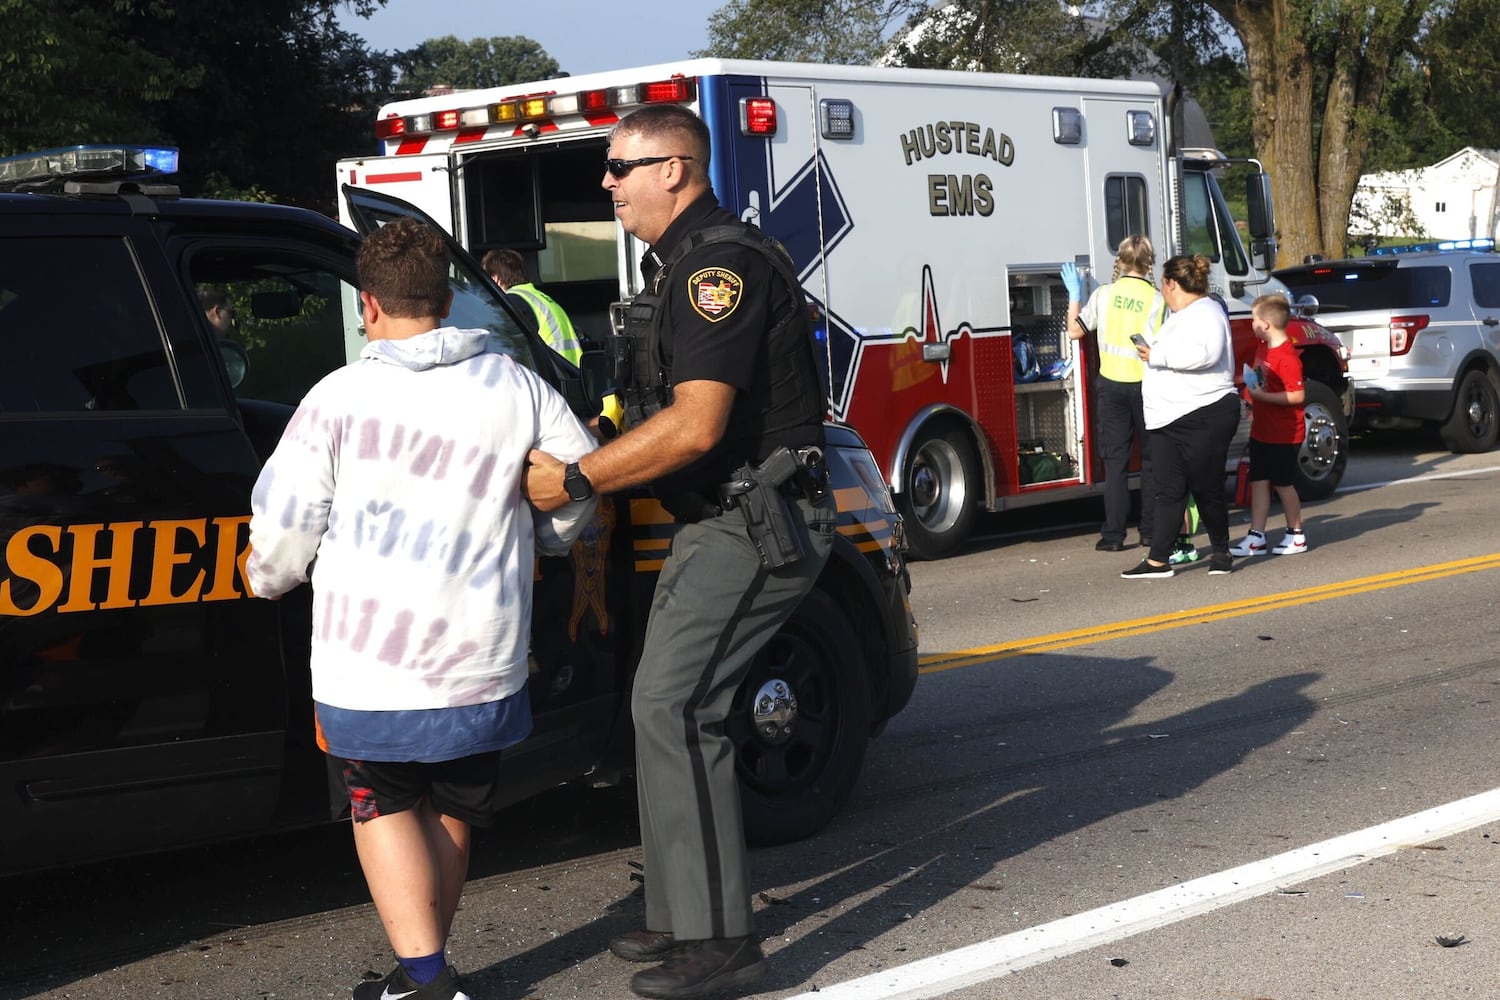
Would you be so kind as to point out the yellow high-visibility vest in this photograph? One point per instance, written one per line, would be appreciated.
(1129, 305)
(551, 322)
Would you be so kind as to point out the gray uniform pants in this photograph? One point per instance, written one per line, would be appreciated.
(715, 607)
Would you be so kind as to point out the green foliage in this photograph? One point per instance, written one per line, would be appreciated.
(68, 76)
(265, 95)
(479, 62)
(1019, 36)
(841, 32)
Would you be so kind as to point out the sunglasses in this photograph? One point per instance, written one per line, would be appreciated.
(619, 168)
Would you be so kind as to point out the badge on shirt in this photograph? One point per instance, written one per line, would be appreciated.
(715, 292)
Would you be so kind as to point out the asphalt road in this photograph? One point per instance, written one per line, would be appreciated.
(1077, 742)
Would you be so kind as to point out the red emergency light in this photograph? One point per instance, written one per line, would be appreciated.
(757, 116)
(666, 91)
(390, 128)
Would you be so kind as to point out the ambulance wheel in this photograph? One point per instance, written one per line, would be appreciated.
(940, 495)
(799, 723)
(1325, 449)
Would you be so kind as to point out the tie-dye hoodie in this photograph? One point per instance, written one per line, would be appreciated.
(397, 488)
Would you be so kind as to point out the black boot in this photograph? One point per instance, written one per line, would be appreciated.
(644, 946)
(702, 967)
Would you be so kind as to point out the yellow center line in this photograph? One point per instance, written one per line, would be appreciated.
(1234, 609)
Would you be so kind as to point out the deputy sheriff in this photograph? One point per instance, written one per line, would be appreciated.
(725, 388)
(1128, 305)
(508, 270)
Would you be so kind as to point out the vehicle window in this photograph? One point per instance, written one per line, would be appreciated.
(1486, 279)
(78, 330)
(288, 313)
(1347, 288)
(1125, 208)
(476, 306)
(1198, 236)
(477, 302)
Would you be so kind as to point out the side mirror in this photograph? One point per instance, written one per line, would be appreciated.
(275, 305)
(1259, 206)
(236, 362)
(1305, 306)
(1263, 254)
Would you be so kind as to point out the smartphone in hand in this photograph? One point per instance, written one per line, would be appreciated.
(1139, 341)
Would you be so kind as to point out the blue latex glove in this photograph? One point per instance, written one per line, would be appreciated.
(1073, 282)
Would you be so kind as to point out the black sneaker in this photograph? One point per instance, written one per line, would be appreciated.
(702, 967)
(1146, 571)
(398, 986)
(1220, 563)
(1109, 545)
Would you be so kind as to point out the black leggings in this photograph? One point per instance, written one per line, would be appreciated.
(1188, 457)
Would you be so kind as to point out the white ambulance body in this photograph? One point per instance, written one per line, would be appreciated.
(927, 213)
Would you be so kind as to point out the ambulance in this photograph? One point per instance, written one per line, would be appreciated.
(928, 214)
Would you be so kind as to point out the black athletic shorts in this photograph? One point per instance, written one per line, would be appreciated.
(465, 789)
(1274, 462)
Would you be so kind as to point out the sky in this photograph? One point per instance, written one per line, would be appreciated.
(584, 36)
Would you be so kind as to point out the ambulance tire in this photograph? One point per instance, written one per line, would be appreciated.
(796, 772)
(1324, 451)
(941, 492)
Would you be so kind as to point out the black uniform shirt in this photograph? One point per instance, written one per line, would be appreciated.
(721, 301)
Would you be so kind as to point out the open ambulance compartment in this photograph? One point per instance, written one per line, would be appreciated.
(1048, 442)
(546, 201)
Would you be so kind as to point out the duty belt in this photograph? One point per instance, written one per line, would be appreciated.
(808, 481)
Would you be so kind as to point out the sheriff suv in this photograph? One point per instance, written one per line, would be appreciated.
(1422, 325)
(155, 348)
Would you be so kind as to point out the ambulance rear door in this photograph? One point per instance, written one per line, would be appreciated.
(424, 180)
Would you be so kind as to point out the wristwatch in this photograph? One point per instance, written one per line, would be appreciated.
(576, 483)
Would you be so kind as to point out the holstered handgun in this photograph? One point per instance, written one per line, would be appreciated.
(756, 489)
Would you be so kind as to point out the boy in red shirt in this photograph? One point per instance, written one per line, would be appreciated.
(1276, 428)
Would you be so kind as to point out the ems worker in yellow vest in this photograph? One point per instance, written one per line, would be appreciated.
(1128, 305)
(508, 270)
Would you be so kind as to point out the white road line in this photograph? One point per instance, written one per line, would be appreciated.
(1009, 953)
(1425, 478)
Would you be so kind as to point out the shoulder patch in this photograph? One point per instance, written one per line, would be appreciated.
(715, 292)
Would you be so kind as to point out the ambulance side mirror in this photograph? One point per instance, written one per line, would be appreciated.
(1259, 206)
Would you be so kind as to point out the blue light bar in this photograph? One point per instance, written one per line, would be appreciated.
(1478, 243)
(95, 162)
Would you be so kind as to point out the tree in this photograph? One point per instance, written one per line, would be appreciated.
(68, 76)
(841, 32)
(1343, 50)
(1039, 37)
(479, 62)
(258, 96)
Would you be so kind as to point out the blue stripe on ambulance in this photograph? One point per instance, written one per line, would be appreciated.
(743, 164)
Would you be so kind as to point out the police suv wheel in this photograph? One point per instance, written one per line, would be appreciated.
(800, 723)
(1475, 423)
(1324, 452)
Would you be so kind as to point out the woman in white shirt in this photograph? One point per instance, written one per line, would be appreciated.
(1192, 411)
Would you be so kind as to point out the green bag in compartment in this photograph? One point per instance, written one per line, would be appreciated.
(1043, 467)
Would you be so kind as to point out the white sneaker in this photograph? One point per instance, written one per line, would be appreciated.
(1253, 545)
(1292, 543)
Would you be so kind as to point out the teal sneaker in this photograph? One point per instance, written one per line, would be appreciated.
(1183, 552)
